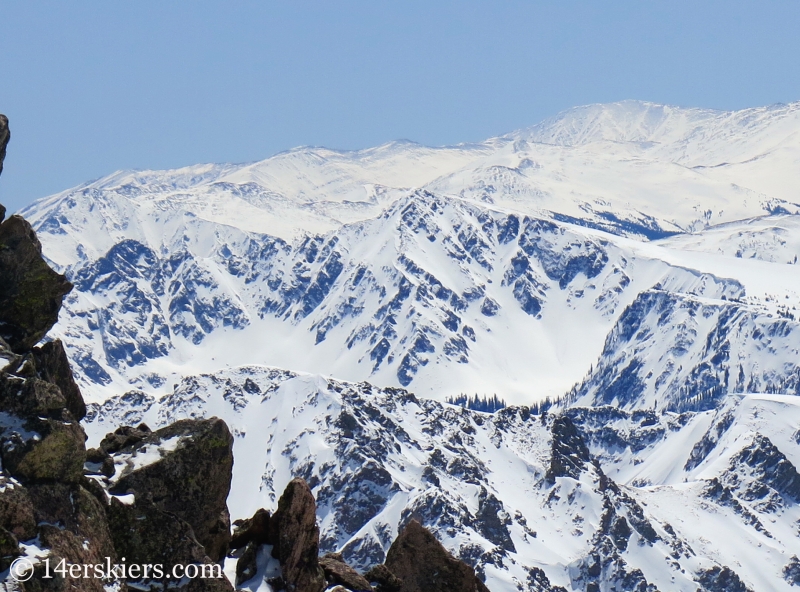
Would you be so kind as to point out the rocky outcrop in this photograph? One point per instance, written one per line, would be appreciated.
(191, 480)
(424, 565)
(569, 454)
(383, 579)
(297, 538)
(5, 136)
(44, 496)
(339, 573)
(30, 291)
(416, 561)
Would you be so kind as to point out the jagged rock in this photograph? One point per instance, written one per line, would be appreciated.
(98, 461)
(144, 533)
(424, 565)
(767, 469)
(539, 582)
(791, 571)
(191, 479)
(254, 530)
(72, 526)
(297, 545)
(721, 579)
(569, 452)
(16, 510)
(250, 534)
(247, 565)
(52, 365)
(30, 291)
(338, 572)
(5, 136)
(55, 452)
(383, 579)
(122, 437)
(30, 398)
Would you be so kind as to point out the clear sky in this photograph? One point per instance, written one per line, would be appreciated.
(95, 86)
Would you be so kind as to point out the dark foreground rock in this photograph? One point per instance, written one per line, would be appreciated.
(424, 565)
(191, 480)
(30, 291)
(5, 136)
(297, 543)
(338, 572)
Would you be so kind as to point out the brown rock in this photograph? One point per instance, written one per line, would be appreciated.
(143, 533)
(297, 548)
(16, 510)
(424, 565)
(52, 365)
(57, 453)
(338, 572)
(254, 530)
(385, 580)
(5, 136)
(122, 437)
(72, 525)
(192, 481)
(30, 397)
(246, 566)
(30, 291)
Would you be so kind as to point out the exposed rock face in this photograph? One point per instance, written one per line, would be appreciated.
(791, 571)
(297, 544)
(52, 366)
(191, 480)
(255, 531)
(569, 452)
(30, 291)
(424, 565)
(384, 580)
(5, 136)
(338, 572)
(722, 579)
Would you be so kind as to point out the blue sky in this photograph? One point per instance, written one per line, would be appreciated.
(95, 86)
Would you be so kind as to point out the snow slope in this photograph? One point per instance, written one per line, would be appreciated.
(677, 501)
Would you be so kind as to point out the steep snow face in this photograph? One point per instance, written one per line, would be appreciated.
(437, 292)
(685, 351)
(677, 501)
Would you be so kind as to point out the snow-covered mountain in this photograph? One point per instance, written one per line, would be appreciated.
(635, 263)
(503, 274)
(678, 501)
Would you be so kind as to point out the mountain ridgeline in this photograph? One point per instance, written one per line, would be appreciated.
(622, 279)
